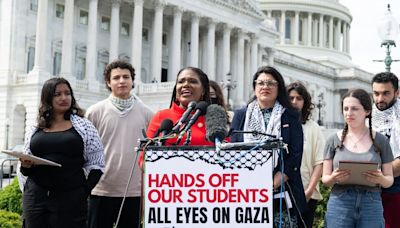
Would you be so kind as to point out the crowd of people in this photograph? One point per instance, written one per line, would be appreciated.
(96, 150)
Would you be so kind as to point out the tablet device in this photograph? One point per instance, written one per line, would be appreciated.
(357, 169)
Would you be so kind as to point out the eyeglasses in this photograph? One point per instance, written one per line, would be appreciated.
(268, 83)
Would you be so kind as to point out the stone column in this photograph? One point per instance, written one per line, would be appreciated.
(309, 29)
(247, 72)
(283, 26)
(175, 50)
(348, 38)
(114, 31)
(240, 67)
(67, 42)
(194, 40)
(226, 50)
(156, 58)
(210, 69)
(321, 30)
(296, 28)
(338, 34)
(91, 50)
(344, 49)
(137, 22)
(254, 54)
(41, 37)
(331, 33)
(271, 53)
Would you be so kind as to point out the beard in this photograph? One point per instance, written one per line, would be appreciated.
(382, 106)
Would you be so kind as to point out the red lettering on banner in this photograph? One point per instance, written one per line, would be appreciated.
(224, 180)
(165, 196)
(175, 180)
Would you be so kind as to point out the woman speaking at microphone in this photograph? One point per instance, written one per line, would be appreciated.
(270, 112)
(192, 86)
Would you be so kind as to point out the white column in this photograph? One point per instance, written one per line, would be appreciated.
(254, 54)
(91, 50)
(315, 33)
(296, 28)
(260, 56)
(271, 53)
(6, 31)
(194, 40)
(309, 29)
(344, 49)
(247, 72)
(348, 38)
(66, 59)
(41, 36)
(331, 33)
(226, 50)
(114, 31)
(269, 13)
(137, 39)
(175, 50)
(283, 26)
(156, 58)
(321, 31)
(338, 34)
(210, 69)
(240, 67)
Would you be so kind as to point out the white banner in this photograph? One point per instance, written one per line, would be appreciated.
(183, 193)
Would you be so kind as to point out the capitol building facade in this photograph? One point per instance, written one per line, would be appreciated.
(306, 40)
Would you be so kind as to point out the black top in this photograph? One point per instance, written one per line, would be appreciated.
(64, 147)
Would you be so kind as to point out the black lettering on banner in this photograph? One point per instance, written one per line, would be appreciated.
(191, 215)
(156, 215)
(252, 215)
(221, 215)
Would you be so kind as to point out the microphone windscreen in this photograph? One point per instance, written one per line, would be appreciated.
(216, 123)
(166, 126)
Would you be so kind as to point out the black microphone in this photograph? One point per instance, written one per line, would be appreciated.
(165, 128)
(216, 123)
(184, 118)
(201, 109)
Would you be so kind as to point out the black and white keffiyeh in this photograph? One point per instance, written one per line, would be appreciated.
(254, 121)
(123, 105)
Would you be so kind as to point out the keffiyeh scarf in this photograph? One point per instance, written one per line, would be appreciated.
(254, 121)
(123, 105)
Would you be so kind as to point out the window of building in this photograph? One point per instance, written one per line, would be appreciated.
(102, 60)
(277, 23)
(83, 17)
(125, 29)
(288, 28)
(105, 23)
(164, 75)
(164, 39)
(57, 63)
(80, 68)
(60, 10)
(145, 34)
(31, 59)
(34, 5)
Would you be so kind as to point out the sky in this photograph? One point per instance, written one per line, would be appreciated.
(364, 38)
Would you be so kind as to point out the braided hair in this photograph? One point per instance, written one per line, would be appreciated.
(365, 100)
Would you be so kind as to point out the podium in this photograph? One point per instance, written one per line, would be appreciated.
(203, 187)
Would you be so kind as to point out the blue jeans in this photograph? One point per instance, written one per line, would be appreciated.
(354, 208)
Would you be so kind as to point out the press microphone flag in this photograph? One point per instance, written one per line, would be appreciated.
(185, 117)
(216, 123)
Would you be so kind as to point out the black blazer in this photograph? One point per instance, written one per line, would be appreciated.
(292, 134)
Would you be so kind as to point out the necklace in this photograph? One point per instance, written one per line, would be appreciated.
(355, 143)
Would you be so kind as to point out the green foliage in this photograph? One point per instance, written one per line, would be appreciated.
(10, 219)
(321, 207)
(11, 198)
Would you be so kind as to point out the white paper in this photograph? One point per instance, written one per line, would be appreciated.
(35, 160)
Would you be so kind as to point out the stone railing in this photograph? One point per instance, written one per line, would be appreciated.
(152, 88)
(82, 84)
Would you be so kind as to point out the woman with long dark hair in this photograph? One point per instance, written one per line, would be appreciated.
(57, 196)
(313, 149)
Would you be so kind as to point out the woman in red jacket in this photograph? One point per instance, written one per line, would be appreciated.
(192, 84)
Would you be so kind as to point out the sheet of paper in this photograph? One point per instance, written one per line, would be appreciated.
(34, 159)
